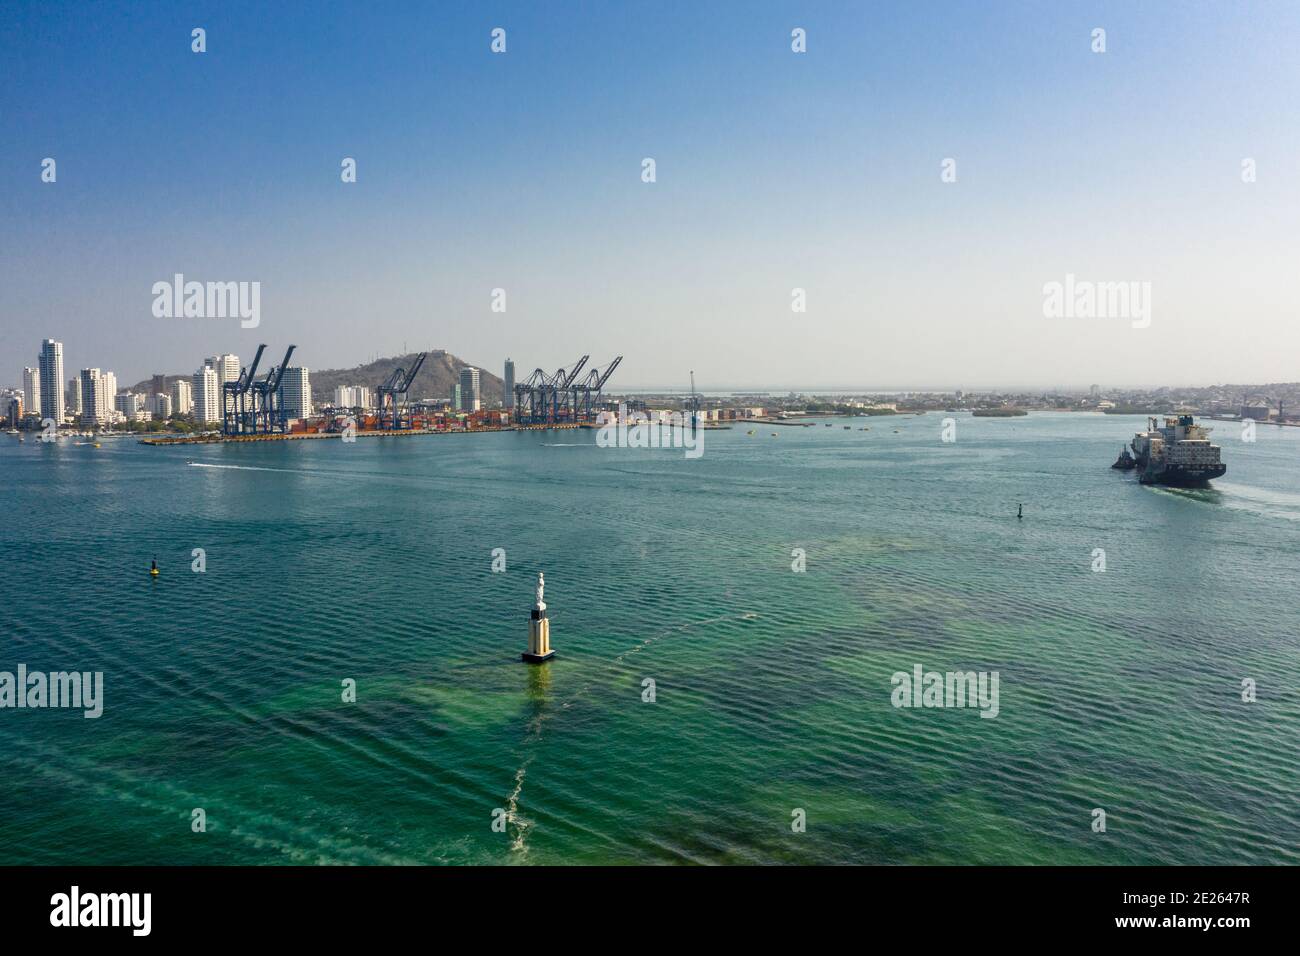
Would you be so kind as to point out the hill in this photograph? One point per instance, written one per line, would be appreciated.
(440, 372)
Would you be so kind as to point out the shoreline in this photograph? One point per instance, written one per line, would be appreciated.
(373, 433)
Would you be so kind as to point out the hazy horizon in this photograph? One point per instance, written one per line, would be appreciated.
(775, 171)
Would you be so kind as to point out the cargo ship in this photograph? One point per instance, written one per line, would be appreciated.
(1179, 453)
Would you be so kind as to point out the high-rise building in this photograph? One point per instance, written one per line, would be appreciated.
(227, 368)
(51, 375)
(110, 387)
(15, 411)
(508, 399)
(32, 390)
(160, 403)
(182, 397)
(73, 403)
(455, 397)
(129, 403)
(470, 399)
(352, 396)
(295, 392)
(206, 395)
(94, 400)
(159, 385)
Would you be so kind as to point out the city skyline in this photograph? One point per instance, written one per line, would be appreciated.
(776, 171)
(91, 396)
(228, 367)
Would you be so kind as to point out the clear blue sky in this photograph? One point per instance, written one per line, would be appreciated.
(775, 171)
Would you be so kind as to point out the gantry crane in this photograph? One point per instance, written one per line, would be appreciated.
(268, 409)
(547, 399)
(586, 397)
(392, 395)
(236, 417)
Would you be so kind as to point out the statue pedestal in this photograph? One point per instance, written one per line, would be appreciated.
(539, 638)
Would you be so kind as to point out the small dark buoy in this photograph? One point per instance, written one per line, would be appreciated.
(1020, 511)
(153, 568)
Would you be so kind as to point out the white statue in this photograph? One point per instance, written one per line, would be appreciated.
(541, 586)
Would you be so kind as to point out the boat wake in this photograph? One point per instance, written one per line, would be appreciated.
(536, 726)
(1206, 495)
(521, 825)
(283, 471)
(1271, 504)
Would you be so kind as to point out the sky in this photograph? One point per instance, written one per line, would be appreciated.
(774, 171)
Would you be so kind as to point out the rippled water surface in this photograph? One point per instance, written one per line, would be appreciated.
(372, 561)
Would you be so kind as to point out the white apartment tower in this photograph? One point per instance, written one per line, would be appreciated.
(295, 392)
(94, 400)
(206, 395)
(129, 403)
(182, 397)
(227, 368)
(470, 397)
(32, 389)
(352, 396)
(50, 367)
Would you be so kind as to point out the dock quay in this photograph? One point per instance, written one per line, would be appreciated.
(370, 433)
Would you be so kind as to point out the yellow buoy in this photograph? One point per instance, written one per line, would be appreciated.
(153, 568)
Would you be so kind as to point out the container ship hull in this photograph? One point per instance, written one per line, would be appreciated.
(1182, 476)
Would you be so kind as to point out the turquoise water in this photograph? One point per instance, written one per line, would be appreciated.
(372, 561)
